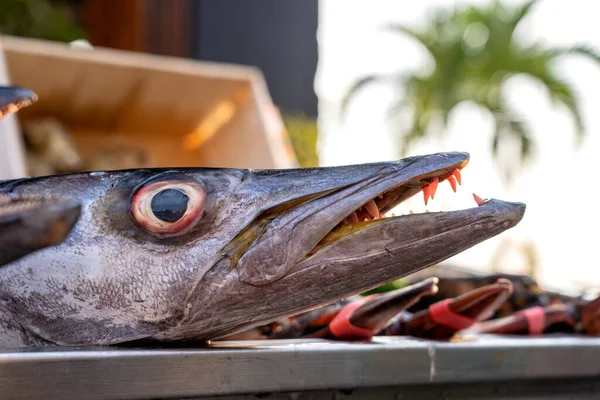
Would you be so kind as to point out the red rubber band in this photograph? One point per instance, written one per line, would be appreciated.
(342, 328)
(536, 320)
(441, 314)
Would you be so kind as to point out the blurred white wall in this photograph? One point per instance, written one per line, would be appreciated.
(562, 220)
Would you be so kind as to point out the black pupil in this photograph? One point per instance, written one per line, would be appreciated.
(169, 205)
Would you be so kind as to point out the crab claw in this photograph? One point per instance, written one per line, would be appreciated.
(444, 318)
(364, 318)
(13, 98)
(532, 321)
(526, 292)
(373, 315)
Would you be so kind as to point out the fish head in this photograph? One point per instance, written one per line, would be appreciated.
(200, 253)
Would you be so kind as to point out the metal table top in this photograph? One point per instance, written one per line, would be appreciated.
(228, 368)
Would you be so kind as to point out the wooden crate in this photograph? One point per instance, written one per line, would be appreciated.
(182, 112)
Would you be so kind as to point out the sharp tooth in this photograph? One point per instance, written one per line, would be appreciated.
(452, 181)
(372, 209)
(380, 196)
(433, 187)
(363, 217)
(457, 175)
(478, 200)
(352, 218)
(426, 193)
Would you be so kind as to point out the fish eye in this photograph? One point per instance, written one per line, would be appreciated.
(169, 207)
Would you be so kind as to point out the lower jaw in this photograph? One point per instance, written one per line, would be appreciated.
(345, 229)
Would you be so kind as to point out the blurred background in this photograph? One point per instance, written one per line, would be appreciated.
(278, 84)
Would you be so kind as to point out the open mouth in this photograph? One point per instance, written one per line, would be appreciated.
(296, 230)
(384, 202)
(380, 207)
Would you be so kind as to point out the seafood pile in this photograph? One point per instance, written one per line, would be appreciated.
(447, 308)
